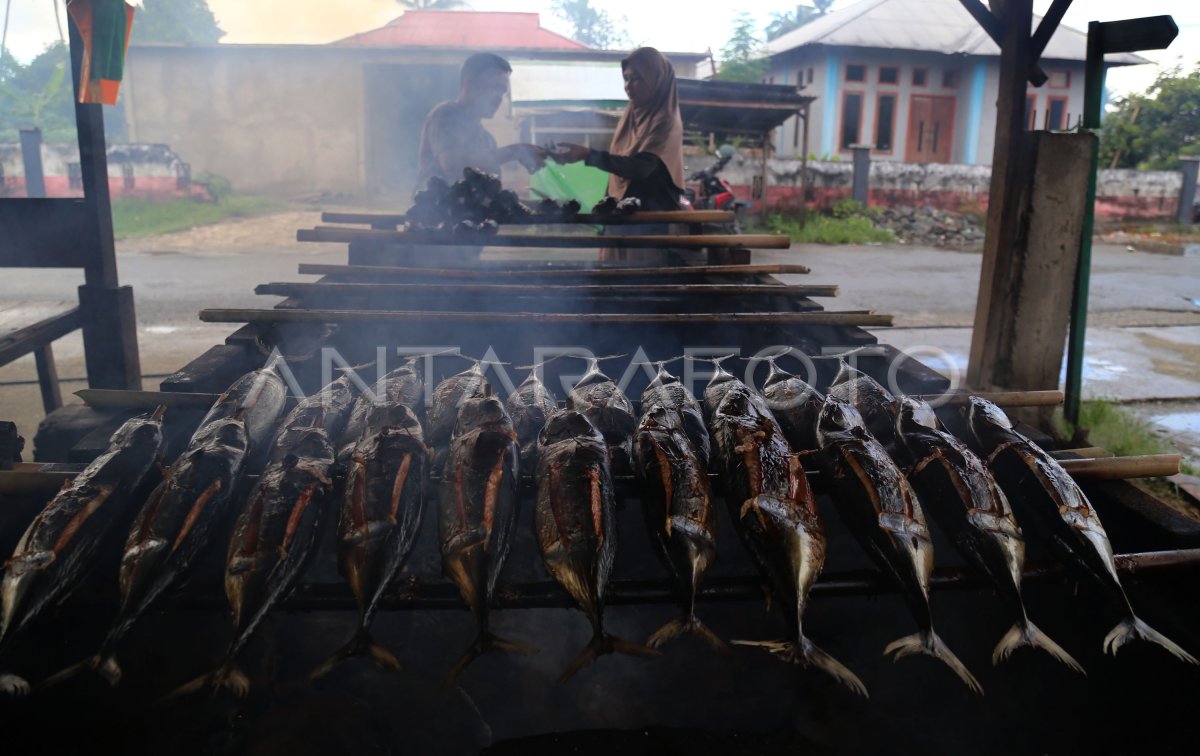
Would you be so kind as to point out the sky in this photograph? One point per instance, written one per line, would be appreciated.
(686, 27)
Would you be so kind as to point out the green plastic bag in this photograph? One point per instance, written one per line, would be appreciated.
(574, 181)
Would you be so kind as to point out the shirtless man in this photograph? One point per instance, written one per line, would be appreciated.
(453, 137)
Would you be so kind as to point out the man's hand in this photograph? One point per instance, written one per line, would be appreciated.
(565, 152)
(531, 156)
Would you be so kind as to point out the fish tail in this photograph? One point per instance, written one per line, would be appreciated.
(104, 665)
(603, 643)
(1133, 628)
(687, 623)
(483, 644)
(228, 675)
(362, 644)
(1025, 633)
(805, 653)
(928, 642)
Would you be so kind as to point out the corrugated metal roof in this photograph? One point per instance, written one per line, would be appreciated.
(940, 26)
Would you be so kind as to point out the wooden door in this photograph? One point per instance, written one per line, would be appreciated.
(930, 129)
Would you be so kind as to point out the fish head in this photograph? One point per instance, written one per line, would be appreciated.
(394, 416)
(985, 418)
(915, 413)
(487, 413)
(838, 416)
(568, 424)
(141, 434)
(228, 432)
(312, 443)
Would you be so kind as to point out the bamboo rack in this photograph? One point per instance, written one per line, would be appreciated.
(553, 241)
(864, 319)
(293, 289)
(375, 272)
(642, 218)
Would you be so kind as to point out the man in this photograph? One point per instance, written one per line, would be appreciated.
(453, 137)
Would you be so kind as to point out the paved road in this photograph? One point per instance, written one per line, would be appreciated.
(931, 293)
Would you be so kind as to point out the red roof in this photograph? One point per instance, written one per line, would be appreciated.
(466, 29)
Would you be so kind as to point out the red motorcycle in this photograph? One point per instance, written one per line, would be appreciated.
(713, 192)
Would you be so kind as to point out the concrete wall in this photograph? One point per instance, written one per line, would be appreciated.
(1120, 193)
(150, 171)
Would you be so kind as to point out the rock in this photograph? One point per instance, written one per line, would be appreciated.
(932, 227)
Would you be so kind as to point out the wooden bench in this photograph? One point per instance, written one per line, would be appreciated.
(32, 327)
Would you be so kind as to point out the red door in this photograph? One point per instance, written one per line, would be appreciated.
(930, 129)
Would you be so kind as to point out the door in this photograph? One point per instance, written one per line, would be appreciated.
(930, 129)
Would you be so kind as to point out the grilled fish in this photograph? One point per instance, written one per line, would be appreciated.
(477, 511)
(883, 512)
(958, 491)
(576, 526)
(60, 545)
(678, 504)
(259, 397)
(610, 411)
(774, 511)
(277, 531)
(667, 391)
(404, 385)
(529, 406)
(796, 406)
(448, 397)
(1050, 503)
(381, 510)
(874, 403)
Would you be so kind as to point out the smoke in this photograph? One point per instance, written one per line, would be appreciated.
(299, 21)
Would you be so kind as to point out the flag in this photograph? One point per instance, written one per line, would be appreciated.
(104, 26)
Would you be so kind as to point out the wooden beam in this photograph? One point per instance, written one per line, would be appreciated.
(595, 291)
(1047, 27)
(995, 29)
(861, 319)
(375, 272)
(553, 241)
(31, 338)
(112, 399)
(647, 217)
(47, 373)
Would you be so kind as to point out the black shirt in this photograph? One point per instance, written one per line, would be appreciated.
(649, 179)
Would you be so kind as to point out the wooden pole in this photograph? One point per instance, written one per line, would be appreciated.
(381, 220)
(1121, 468)
(554, 241)
(861, 319)
(375, 272)
(600, 291)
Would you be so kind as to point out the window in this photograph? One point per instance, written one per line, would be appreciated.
(810, 76)
(1059, 79)
(856, 72)
(851, 119)
(885, 122)
(800, 79)
(920, 77)
(1056, 113)
(1030, 112)
(950, 78)
(889, 75)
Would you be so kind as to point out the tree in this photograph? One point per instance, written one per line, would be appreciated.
(1151, 130)
(742, 58)
(592, 26)
(179, 21)
(782, 23)
(432, 4)
(38, 94)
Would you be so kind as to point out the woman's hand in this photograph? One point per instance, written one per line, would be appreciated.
(565, 152)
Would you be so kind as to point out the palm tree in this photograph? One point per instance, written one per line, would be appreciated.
(432, 4)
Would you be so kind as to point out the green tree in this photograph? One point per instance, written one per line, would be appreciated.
(782, 23)
(178, 21)
(742, 56)
(1152, 129)
(592, 26)
(432, 4)
(38, 94)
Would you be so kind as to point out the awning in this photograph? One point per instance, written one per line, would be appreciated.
(729, 107)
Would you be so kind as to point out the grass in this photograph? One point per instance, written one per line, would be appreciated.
(1120, 431)
(823, 229)
(133, 218)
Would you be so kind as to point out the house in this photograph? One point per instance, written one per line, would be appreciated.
(346, 117)
(917, 80)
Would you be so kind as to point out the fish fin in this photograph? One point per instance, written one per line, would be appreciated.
(483, 644)
(604, 644)
(102, 665)
(1028, 634)
(928, 642)
(806, 653)
(362, 644)
(13, 686)
(228, 675)
(687, 623)
(1134, 628)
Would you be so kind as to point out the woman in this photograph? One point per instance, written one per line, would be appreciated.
(646, 155)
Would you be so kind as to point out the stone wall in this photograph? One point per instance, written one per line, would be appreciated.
(1121, 194)
(150, 171)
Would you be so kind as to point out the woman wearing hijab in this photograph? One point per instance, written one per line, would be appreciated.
(645, 159)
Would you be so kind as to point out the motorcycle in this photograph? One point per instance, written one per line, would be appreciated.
(715, 193)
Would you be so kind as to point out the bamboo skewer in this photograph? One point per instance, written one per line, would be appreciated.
(555, 241)
(1121, 468)
(853, 318)
(645, 217)
(293, 288)
(375, 272)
